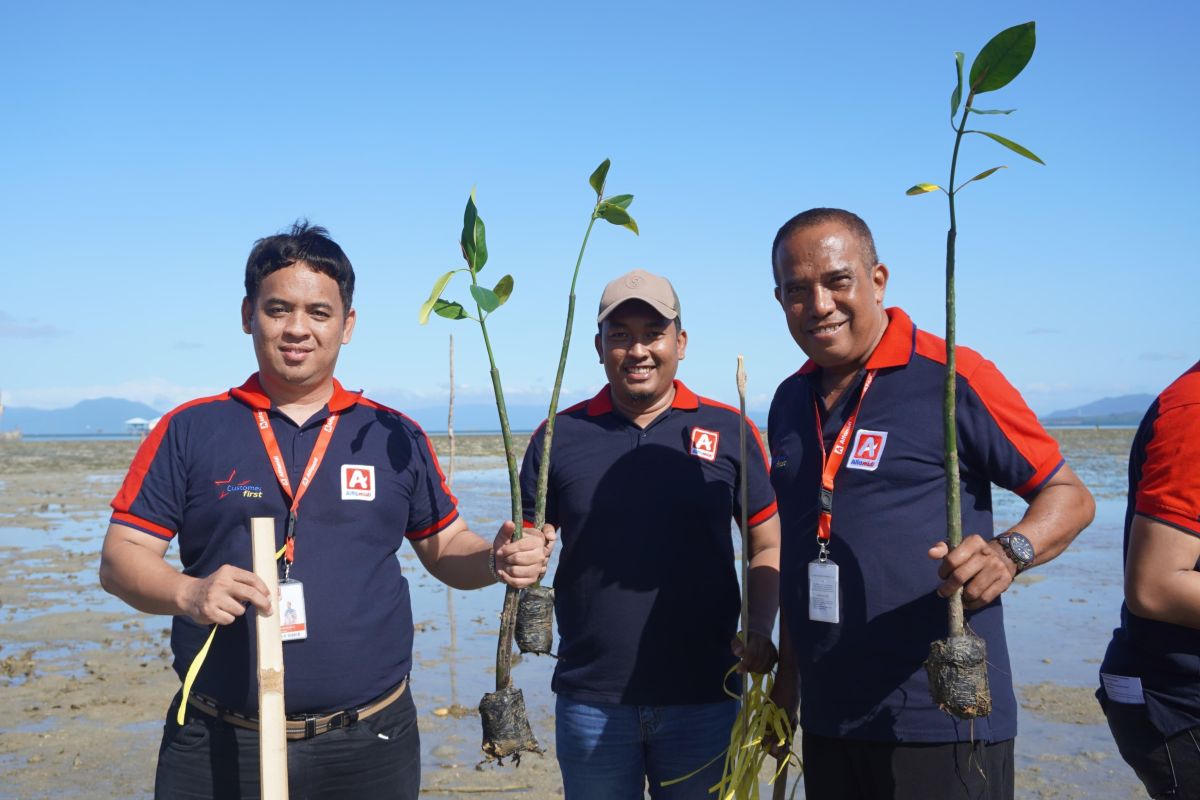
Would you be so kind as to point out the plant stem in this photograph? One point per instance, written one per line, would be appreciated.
(953, 501)
(508, 616)
(543, 478)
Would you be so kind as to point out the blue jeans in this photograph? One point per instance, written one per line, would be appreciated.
(607, 751)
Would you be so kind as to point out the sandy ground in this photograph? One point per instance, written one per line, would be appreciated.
(85, 681)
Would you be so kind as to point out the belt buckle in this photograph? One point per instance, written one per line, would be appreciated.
(310, 725)
(343, 719)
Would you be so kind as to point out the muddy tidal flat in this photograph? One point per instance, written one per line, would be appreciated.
(85, 681)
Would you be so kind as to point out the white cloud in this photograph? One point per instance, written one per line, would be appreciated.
(12, 328)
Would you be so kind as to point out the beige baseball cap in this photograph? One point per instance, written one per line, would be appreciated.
(654, 290)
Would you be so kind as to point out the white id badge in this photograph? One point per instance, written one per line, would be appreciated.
(823, 603)
(293, 625)
(1123, 689)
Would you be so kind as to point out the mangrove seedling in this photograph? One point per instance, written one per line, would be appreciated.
(535, 612)
(506, 730)
(957, 665)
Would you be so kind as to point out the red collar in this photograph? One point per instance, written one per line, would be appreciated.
(895, 349)
(251, 393)
(602, 403)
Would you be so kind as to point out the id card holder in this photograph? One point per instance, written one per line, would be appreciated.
(293, 624)
(823, 597)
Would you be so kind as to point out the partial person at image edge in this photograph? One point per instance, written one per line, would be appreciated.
(1150, 676)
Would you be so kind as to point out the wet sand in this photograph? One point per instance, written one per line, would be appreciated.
(85, 681)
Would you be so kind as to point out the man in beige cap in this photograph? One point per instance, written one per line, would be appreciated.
(648, 467)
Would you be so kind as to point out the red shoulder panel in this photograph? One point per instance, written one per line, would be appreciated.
(1170, 487)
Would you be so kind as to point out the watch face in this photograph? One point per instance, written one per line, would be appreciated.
(1020, 547)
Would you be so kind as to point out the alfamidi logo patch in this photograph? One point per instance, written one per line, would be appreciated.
(867, 450)
(704, 444)
(358, 482)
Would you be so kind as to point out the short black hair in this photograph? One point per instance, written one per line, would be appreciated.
(819, 216)
(303, 243)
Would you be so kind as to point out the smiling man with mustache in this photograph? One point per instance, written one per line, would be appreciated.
(857, 463)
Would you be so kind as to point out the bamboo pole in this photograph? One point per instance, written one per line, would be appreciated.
(272, 728)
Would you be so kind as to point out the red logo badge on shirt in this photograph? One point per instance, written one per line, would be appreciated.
(867, 450)
(358, 482)
(704, 444)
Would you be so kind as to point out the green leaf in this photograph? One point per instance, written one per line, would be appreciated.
(612, 213)
(632, 225)
(599, 176)
(488, 302)
(480, 245)
(1011, 145)
(467, 240)
(503, 289)
(438, 286)
(981, 176)
(622, 200)
(1003, 58)
(956, 95)
(449, 310)
(922, 188)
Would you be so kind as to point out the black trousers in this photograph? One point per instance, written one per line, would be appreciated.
(1168, 766)
(845, 769)
(378, 758)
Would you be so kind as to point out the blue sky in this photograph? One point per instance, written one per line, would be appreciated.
(146, 147)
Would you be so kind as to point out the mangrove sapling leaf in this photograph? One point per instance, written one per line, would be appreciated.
(610, 212)
(957, 665)
(474, 241)
(980, 176)
(922, 188)
(1011, 145)
(503, 289)
(434, 296)
(599, 176)
(622, 200)
(449, 310)
(486, 298)
(1003, 58)
(992, 111)
(956, 95)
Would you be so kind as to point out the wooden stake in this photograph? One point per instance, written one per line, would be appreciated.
(272, 728)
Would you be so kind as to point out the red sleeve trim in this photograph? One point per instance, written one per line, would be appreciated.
(1169, 517)
(1012, 416)
(764, 515)
(143, 525)
(146, 452)
(437, 527)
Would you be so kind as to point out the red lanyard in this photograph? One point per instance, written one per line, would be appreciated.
(833, 462)
(281, 474)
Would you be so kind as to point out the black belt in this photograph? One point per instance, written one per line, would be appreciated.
(301, 726)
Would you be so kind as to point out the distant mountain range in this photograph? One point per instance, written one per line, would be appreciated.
(108, 415)
(102, 415)
(1124, 410)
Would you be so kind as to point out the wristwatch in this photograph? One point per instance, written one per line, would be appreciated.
(1018, 548)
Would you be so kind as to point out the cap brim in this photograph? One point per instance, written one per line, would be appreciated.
(667, 311)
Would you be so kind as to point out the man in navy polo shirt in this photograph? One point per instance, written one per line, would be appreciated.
(643, 485)
(348, 481)
(1150, 678)
(860, 610)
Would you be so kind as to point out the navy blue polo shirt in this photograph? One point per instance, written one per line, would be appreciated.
(1164, 485)
(863, 678)
(646, 590)
(204, 472)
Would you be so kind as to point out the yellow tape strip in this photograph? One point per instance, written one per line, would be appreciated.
(198, 661)
(744, 757)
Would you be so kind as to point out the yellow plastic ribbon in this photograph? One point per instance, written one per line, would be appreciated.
(194, 668)
(747, 749)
